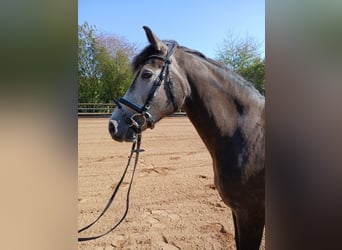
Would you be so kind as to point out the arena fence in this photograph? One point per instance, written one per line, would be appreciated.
(95, 109)
(102, 109)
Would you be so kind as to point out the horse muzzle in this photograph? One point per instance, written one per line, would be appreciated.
(122, 128)
(121, 133)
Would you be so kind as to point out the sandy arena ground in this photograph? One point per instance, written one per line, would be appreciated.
(173, 202)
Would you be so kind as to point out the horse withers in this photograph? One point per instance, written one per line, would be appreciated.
(227, 112)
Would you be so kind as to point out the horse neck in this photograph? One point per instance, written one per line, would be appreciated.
(220, 105)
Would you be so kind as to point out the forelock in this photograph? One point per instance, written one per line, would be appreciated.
(141, 58)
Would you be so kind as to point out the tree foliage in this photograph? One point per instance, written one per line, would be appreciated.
(103, 65)
(242, 56)
(88, 69)
(104, 69)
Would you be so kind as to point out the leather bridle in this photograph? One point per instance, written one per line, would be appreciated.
(164, 76)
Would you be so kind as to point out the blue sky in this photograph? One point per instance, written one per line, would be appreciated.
(197, 24)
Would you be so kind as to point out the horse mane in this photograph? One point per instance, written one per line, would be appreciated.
(218, 66)
(141, 58)
(201, 55)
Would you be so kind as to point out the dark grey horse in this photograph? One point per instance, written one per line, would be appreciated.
(227, 112)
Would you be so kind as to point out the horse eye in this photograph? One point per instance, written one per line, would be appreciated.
(146, 74)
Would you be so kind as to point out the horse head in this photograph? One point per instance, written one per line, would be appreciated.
(158, 90)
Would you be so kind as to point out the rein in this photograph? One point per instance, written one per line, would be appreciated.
(142, 111)
(135, 149)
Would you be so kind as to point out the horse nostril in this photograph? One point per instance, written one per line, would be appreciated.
(112, 127)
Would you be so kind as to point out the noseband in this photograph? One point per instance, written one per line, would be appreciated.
(165, 76)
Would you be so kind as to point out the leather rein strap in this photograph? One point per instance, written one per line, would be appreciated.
(164, 76)
(135, 149)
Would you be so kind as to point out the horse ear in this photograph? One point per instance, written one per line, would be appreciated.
(155, 41)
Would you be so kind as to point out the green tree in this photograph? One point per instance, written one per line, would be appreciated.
(88, 66)
(242, 56)
(114, 57)
(104, 69)
(255, 73)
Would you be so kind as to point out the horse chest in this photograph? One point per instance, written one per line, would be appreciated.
(236, 189)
